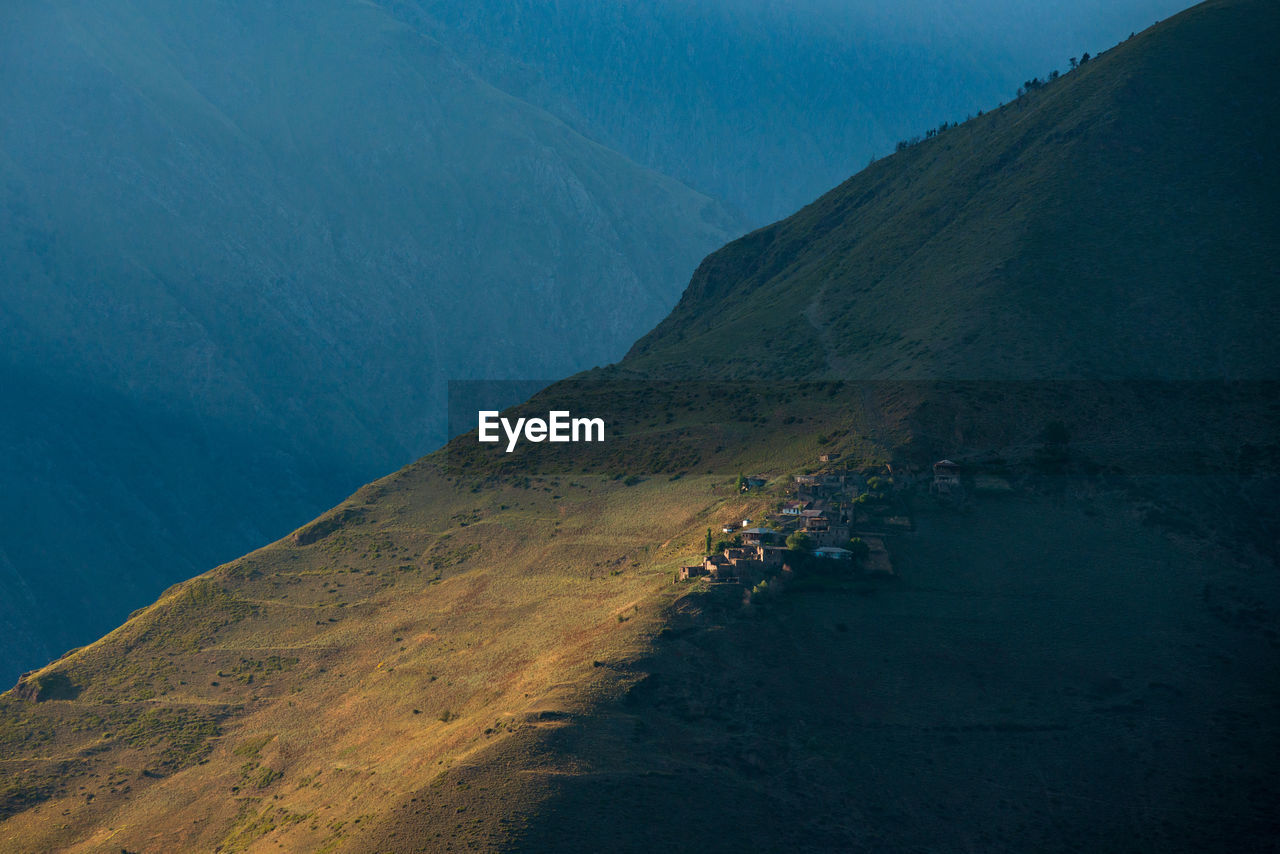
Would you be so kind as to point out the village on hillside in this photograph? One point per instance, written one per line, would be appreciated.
(839, 516)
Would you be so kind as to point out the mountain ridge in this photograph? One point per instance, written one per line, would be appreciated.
(782, 103)
(1005, 264)
(487, 651)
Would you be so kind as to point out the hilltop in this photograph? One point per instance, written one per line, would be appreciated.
(1117, 223)
(489, 651)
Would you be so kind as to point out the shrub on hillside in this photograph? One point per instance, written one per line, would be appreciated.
(800, 542)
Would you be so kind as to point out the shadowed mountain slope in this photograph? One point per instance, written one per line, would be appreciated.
(487, 651)
(1118, 222)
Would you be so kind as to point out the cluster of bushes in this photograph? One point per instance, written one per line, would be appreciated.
(800, 542)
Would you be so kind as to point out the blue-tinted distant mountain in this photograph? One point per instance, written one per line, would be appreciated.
(244, 246)
(767, 104)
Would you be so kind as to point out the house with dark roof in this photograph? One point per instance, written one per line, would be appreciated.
(759, 536)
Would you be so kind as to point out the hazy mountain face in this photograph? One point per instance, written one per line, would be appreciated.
(768, 104)
(243, 245)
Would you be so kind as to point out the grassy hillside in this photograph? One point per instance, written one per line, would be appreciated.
(469, 654)
(1044, 676)
(1118, 222)
(268, 224)
(488, 652)
(304, 690)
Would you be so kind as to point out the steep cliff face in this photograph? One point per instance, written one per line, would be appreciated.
(244, 247)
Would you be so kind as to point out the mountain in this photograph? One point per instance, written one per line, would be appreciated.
(242, 249)
(767, 105)
(487, 650)
(246, 247)
(1074, 234)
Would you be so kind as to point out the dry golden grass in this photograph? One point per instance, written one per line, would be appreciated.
(449, 655)
(346, 673)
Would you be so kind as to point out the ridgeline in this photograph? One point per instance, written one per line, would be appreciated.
(487, 651)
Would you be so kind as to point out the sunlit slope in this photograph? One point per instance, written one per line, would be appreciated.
(1120, 221)
(334, 675)
(469, 654)
(303, 691)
